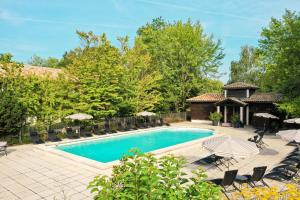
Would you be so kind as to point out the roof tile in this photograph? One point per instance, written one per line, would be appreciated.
(208, 97)
(263, 97)
(240, 85)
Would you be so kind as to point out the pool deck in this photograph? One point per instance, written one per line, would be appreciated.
(31, 172)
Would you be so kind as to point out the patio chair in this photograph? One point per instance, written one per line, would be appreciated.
(227, 181)
(133, 123)
(86, 131)
(96, 130)
(71, 133)
(3, 147)
(285, 172)
(257, 176)
(52, 136)
(258, 140)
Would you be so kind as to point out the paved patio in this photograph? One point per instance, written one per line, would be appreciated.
(31, 173)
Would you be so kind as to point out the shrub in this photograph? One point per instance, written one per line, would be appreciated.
(235, 118)
(215, 116)
(142, 176)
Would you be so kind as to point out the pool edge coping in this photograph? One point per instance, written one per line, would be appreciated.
(48, 147)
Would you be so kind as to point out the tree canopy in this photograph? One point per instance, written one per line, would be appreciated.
(185, 56)
(166, 64)
(247, 68)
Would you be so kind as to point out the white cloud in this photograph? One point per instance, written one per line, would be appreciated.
(7, 16)
(194, 8)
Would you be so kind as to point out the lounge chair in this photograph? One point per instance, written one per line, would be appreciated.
(96, 130)
(257, 139)
(52, 135)
(288, 172)
(86, 131)
(71, 133)
(257, 176)
(227, 181)
(3, 147)
(128, 124)
(35, 137)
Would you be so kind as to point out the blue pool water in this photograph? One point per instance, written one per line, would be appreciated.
(110, 149)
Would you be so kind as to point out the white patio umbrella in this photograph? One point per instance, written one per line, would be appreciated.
(292, 121)
(79, 116)
(290, 135)
(265, 115)
(227, 146)
(145, 114)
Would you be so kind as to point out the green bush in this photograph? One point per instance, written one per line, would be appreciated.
(142, 176)
(235, 118)
(215, 116)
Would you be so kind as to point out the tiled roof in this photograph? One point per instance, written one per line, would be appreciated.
(240, 85)
(208, 97)
(263, 97)
(234, 99)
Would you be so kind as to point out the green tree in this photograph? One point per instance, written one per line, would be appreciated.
(280, 50)
(141, 80)
(44, 62)
(142, 176)
(247, 68)
(96, 75)
(12, 112)
(185, 57)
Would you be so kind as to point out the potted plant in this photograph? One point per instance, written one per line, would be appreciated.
(235, 120)
(215, 117)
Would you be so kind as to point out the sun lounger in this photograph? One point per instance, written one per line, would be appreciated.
(35, 137)
(52, 135)
(3, 147)
(86, 131)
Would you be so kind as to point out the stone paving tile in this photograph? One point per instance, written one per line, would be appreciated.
(30, 173)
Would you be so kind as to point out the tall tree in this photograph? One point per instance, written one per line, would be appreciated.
(12, 112)
(184, 55)
(280, 48)
(142, 81)
(247, 68)
(97, 75)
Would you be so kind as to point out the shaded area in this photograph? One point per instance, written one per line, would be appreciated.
(268, 152)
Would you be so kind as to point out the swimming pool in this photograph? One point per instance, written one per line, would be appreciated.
(113, 148)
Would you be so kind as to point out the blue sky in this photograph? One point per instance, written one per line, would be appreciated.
(47, 27)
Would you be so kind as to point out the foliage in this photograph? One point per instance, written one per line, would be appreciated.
(235, 118)
(142, 176)
(12, 112)
(291, 107)
(44, 62)
(97, 77)
(247, 68)
(279, 48)
(292, 192)
(185, 57)
(215, 116)
(167, 63)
